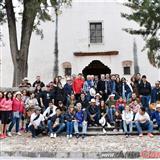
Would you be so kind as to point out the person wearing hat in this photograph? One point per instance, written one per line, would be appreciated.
(93, 113)
(25, 83)
(144, 90)
(156, 115)
(18, 110)
(111, 103)
(36, 125)
(155, 93)
(98, 99)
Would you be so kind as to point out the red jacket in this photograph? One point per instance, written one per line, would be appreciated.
(6, 105)
(18, 105)
(78, 85)
(119, 103)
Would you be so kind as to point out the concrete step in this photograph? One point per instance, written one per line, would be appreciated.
(111, 133)
(99, 128)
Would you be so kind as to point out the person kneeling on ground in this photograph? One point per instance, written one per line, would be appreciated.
(142, 120)
(127, 117)
(56, 123)
(80, 121)
(156, 116)
(36, 125)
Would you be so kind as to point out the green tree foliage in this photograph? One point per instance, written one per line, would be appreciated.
(147, 14)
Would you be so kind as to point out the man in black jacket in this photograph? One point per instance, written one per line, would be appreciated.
(145, 93)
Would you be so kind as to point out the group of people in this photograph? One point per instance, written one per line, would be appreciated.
(73, 105)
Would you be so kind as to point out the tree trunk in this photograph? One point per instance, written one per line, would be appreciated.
(12, 35)
(20, 57)
(56, 67)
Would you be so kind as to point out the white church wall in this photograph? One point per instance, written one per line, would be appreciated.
(74, 37)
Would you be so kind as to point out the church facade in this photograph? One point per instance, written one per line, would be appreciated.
(91, 40)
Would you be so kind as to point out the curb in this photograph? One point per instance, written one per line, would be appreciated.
(75, 155)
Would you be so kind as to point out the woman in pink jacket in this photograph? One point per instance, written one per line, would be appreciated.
(6, 112)
(17, 109)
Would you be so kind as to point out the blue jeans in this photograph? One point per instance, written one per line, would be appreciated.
(14, 121)
(96, 119)
(69, 128)
(126, 126)
(145, 102)
(121, 108)
(57, 129)
(148, 125)
(79, 125)
(110, 113)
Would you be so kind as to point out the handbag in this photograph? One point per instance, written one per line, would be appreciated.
(16, 114)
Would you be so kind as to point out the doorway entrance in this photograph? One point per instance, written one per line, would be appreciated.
(96, 67)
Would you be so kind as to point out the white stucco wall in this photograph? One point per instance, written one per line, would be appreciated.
(74, 37)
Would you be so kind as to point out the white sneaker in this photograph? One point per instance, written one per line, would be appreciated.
(9, 134)
(70, 136)
(108, 125)
(19, 134)
(51, 135)
(115, 130)
(104, 131)
(121, 130)
(55, 135)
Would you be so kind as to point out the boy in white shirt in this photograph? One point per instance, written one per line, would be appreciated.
(142, 120)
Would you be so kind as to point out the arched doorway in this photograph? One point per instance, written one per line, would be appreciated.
(96, 68)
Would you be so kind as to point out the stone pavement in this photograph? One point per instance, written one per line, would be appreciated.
(90, 147)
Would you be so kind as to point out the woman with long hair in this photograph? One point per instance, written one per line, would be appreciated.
(6, 111)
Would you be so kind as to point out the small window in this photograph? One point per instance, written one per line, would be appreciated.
(67, 71)
(96, 32)
(127, 70)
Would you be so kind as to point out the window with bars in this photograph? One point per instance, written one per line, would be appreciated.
(127, 70)
(96, 32)
(67, 71)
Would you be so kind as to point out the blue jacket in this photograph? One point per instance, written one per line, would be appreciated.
(81, 116)
(68, 89)
(156, 115)
(155, 94)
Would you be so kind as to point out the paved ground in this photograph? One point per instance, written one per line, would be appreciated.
(91, 144)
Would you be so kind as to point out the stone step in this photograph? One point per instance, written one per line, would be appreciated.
(111, 133)
(99, 128)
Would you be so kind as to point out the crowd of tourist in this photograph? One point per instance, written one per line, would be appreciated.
(73, 105)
